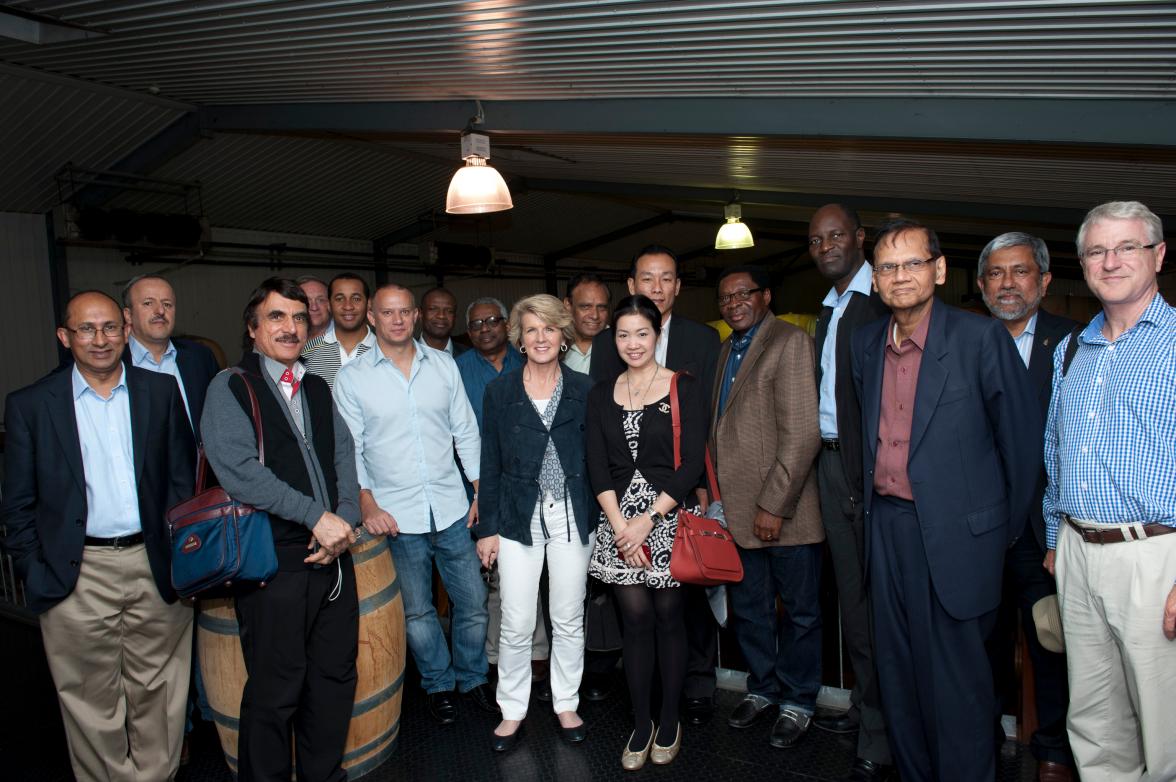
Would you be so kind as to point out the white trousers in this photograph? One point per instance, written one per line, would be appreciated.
(1122, 670)
(519, 568)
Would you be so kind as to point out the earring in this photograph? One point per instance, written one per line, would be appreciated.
(522, 348)
(563, 347)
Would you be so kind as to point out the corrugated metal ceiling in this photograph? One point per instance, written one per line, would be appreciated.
(333, 50)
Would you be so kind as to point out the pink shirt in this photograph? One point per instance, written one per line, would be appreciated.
(900, 377)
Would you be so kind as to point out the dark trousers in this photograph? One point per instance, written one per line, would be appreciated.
(300, 648)
(783, 655)
(933, 670)
(702, 641)
(841, 513)
(1026, 582)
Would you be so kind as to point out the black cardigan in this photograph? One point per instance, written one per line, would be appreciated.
(610, 465)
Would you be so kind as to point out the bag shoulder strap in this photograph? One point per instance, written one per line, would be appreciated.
(712, 482)
(1071, 348)
(255, 413)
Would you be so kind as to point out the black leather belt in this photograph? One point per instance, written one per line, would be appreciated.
(124, 541)
(831, 445)
(1116, 534)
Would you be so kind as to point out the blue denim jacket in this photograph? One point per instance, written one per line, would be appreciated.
(513, 442)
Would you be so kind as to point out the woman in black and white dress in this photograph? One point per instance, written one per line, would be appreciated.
(631, 469)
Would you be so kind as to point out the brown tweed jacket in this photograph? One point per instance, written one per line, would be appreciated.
(766, 442)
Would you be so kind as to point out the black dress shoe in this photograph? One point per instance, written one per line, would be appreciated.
(574, 735)
(506, 743)
(698, 711)
(748, 712)
(542, 690)
(442, 708)
(596, 688)
(868, 771)
(836, 723)
(483, 698)
(789, 728)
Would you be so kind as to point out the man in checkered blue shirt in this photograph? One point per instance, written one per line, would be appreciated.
(1110, 453)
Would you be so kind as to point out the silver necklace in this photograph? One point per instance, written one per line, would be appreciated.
(629, 388)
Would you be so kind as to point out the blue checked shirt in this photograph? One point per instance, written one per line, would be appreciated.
(1110, 439)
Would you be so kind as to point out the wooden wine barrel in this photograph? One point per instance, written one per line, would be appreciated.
(375, 717)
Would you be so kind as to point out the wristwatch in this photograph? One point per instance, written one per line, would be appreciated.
(656, 517)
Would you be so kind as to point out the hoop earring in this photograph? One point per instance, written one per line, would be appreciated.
(563, 347)
(523, 349)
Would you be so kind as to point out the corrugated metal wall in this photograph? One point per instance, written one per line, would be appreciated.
(28, 349)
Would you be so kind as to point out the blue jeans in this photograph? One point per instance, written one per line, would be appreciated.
(453, 550)
(783, 656)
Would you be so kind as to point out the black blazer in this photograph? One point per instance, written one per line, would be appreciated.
(514, 441)
(693, 348)
(44, 504)
(197, 369)
(611, 466)
(1051, 329)
(859, 311)
(975, 450)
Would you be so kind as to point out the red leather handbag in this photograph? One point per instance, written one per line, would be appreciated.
(704, 552)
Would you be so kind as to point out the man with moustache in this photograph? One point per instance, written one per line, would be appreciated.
(682, 346)
(349, 335)
(95, 454)
(765, 443)
(438, 314)
(300, 632)
(836, 238)
(950, 459)
(1110, 505)
(318, 305)
(149, 306)
(1013, 276)
(587, 300)
(407, 410)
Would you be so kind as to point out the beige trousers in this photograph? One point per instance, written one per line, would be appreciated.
(1122, 670)
(121, 660)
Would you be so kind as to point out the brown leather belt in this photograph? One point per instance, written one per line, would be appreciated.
(831, 445)
(1118, 534)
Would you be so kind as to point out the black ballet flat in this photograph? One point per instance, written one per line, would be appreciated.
(574, 735)
(506, 743)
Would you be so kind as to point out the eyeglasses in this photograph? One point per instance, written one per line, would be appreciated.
(87, 331)
(1020, 272)
(490, 322)
(737, 296)
(911, 267)
(1125, 251)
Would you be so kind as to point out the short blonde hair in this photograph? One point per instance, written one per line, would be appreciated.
(546, 308)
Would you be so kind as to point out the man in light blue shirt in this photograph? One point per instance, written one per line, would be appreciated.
(1110, 505)
(407, 409)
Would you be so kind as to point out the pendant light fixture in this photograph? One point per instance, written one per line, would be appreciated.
(476, 187)
(733, 234)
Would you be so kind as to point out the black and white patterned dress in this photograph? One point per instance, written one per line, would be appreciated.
(607, 564)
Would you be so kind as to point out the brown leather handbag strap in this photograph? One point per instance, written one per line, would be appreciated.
(255, 411)
(712, 482)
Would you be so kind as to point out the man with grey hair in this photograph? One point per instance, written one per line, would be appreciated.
(319, 305)
(1013, 275)
(1110, 505)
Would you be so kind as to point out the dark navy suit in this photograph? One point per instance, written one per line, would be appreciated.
(935, 564)
(197, 369)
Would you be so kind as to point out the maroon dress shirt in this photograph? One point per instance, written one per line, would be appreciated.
(900, 377)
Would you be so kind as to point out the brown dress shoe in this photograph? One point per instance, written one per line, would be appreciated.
(1048, 771)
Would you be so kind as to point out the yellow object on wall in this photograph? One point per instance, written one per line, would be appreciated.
(802, 319)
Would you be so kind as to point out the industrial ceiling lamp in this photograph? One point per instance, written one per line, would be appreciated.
(476, 188)
(733, 234)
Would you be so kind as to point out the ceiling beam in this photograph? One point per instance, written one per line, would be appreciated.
(612, 236)
(1060, 120)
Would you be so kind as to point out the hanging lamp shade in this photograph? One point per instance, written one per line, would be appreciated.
(733, 234)
(476, 187)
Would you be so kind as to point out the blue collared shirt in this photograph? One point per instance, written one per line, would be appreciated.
(108, 458)
(1110, 439)
(142, 357)
(477, 372)
(739, 345)
(828, 391)
(405, 430)
(1024, 340)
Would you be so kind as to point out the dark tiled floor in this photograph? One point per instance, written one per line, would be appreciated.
(32, 744)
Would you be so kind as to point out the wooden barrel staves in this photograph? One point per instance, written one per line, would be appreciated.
(375, 717)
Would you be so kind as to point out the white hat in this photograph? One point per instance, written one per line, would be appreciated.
(1048, 619)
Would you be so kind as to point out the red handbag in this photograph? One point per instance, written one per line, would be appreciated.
(704, 552)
